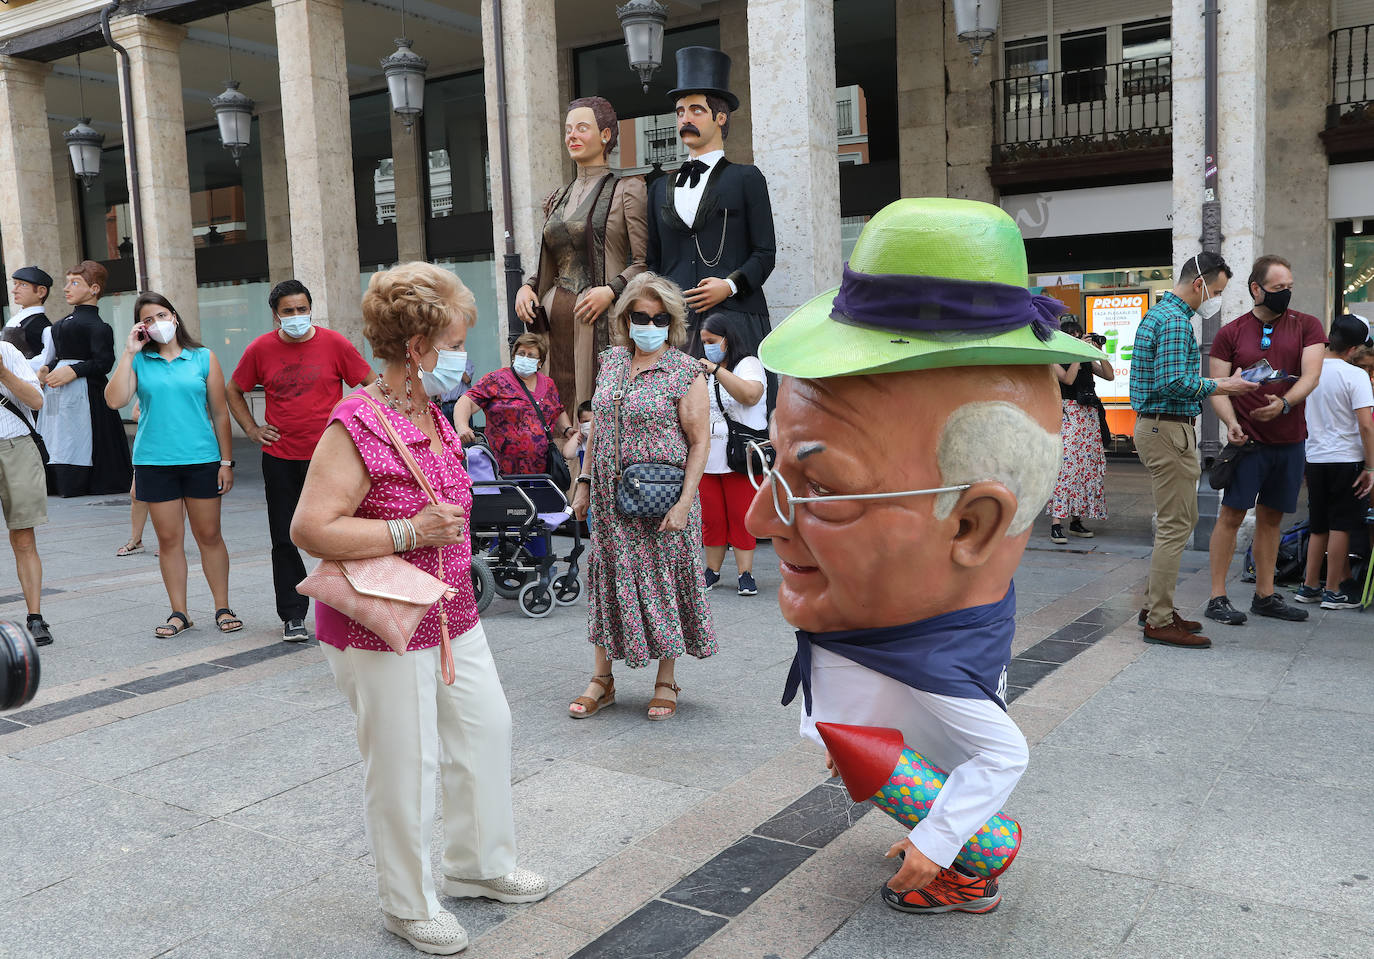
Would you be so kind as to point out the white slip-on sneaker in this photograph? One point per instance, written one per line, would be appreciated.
(440, 936)
(520, 885)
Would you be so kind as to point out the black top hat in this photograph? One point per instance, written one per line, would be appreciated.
(703, 70)
(32, 274)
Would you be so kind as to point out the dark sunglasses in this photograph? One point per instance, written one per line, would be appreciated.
(644, 319)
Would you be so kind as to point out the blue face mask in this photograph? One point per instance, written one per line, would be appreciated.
(714, 352)
(296, 326)
(525, 365)
(447, 373)
(648, 338)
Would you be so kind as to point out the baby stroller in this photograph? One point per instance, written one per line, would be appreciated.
(509, 515)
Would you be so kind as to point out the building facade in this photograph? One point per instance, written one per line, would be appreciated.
(1082, 118)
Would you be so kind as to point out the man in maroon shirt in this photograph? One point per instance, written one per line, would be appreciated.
(302, 368)
(1269, 476)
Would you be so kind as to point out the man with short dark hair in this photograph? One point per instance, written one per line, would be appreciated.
(28, 329)
(302, 369)
(711, 222)
(1277, 346)
(1167, 388)
(1340, 466)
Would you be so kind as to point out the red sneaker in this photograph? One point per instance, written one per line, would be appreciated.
(950, 891)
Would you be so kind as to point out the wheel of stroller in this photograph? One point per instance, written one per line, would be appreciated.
(536, 600)
(508, 583)
(483, 583)
(567, 590)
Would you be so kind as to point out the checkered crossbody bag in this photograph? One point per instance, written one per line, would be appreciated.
(643, 490)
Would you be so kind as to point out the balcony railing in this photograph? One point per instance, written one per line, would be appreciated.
(1352, 83)
(1101, 109)
(663, 145)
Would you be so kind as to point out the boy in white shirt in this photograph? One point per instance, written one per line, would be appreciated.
(1340, 465)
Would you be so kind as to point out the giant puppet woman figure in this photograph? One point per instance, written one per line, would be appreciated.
(917, 437)
(593, 244)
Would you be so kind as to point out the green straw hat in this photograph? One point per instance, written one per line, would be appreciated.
(933, 282)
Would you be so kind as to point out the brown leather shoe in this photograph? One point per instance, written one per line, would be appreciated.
(1192, 625)
(1175, 635)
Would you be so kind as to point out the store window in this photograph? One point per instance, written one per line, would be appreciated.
(866, 106)
(457, 181)
(1355, 268)
(106, 224)
(374, 183)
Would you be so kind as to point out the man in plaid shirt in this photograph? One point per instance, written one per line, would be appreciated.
(1167, 388)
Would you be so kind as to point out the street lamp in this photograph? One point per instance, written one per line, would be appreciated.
(405, 81)
(84, 143)
(233, 110)
(642, 21)
(975, 21)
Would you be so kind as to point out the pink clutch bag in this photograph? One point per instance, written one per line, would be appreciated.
(385, 594)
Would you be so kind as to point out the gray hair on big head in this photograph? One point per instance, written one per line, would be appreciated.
(1003, 443)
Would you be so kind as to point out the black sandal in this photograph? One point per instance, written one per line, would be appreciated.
(227, 621)
(169, 629)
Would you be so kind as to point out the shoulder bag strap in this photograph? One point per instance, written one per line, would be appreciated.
(720, 401)
(396, 442)
(548, 434)
(617, 396)
(5, 402)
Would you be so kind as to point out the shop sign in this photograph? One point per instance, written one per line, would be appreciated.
(1116, 315)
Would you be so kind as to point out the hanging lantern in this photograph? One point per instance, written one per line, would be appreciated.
(975, 22)
(642, 21)
(84, 144)
(405, 81)
(234, 111)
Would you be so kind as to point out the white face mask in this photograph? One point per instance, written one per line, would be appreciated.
(1210, 304)
(585, 429)
(163, 331)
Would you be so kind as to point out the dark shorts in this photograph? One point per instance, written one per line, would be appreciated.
(1271, 475)
(1331, 500)
(161, 484)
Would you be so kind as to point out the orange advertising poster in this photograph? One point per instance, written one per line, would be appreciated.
(1116, 315)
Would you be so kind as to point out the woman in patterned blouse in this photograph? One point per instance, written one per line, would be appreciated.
(360, 500)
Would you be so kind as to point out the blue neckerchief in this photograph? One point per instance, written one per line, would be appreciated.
(963, 653)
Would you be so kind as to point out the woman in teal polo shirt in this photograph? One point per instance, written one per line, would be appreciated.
(182, 463)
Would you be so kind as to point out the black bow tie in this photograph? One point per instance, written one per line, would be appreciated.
(689, 174)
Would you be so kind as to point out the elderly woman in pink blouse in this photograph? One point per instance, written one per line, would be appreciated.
(409, 722)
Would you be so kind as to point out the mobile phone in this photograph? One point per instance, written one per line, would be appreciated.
(142, 333)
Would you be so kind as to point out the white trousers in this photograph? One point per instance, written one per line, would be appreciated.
(972, 740)
(410, 725)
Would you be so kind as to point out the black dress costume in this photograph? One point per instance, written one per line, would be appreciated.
(88, 340)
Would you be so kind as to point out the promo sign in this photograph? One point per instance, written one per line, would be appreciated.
(1116, 315)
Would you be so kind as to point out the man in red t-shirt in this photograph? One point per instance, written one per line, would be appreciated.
(303, 369)
(1268, 476)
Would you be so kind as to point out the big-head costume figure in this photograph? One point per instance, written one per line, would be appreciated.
(710, 223)
(917, 437)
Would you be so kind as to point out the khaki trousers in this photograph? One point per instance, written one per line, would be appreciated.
(410, 727)
(1169, 451)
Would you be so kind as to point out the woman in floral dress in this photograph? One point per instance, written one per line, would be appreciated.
(644, 575)
(1080, 491)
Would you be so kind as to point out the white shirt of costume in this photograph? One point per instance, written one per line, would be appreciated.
(973, 740)
(1333, 432)
(45, 355)
(10, 427)
(687, 198)
(754, 417)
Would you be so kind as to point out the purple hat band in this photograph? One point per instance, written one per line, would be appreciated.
(938, 307)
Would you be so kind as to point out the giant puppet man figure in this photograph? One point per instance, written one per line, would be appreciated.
(917, 438)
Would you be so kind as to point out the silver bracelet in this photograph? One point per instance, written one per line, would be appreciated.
(413, 538)
(394, 528)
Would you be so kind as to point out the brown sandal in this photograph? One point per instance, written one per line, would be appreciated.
(668, 704)
(590, 707)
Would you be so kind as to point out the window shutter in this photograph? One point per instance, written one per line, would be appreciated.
(1025, 18)
(1072, 15)
(1354, 13)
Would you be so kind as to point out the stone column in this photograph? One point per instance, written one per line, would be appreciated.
(534, 120)
(921, 98)
(159, 125)
(319, 159)
(28, 207)
(276, 199)
(968, 113)
(408, 183)
(734, 42)
(792, 70)
(1294, 157)
(1241, 116)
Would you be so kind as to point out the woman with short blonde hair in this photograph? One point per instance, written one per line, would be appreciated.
(653, 287)
(361, 500)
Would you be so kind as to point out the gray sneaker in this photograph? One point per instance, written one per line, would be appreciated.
(520, 885)
(1276, 608)
(440, 936)
(1220, 609)
(294, 631)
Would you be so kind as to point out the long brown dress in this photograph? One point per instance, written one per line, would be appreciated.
(595, 234)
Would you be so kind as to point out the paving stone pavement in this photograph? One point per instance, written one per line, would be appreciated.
(200, 797)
